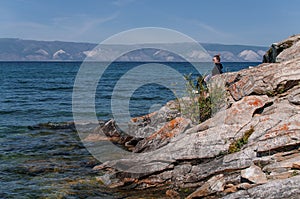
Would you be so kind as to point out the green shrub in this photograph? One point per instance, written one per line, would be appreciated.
(201, 100)
(238, 144)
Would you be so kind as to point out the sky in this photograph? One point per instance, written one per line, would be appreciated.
(252, 22)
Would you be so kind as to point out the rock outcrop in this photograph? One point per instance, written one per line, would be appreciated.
(249, 149)
(278, 53)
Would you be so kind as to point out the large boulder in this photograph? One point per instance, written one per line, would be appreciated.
(278, 51)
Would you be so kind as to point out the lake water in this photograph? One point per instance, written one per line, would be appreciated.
(53, 163)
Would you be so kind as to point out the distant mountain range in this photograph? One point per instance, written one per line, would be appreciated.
(31, 50)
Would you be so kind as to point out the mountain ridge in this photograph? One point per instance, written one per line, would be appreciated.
(15, 49)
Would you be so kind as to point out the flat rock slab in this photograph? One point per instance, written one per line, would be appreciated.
(254, 174)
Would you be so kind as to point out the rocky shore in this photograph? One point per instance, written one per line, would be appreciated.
(248, 149)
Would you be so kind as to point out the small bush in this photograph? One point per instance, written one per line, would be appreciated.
(201, 100)
(238, 144)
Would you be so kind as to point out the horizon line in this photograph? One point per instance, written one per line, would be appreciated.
(83, 42)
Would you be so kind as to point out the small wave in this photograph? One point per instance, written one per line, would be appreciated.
(13, 128)
(8, 112)
(145, 98)
(47, 99)
(9, 100)
(67, 88)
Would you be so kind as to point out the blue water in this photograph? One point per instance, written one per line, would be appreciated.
(47, 163)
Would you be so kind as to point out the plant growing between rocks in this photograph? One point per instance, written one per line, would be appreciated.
(238, 144)
(202, 100)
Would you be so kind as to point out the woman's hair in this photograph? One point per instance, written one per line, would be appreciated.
(218, 57)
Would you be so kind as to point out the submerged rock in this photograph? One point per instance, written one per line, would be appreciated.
(53, 125)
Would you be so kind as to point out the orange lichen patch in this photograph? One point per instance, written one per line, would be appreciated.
(173, 123)
(134, 119)
(255, 102)
(264, 119)
(169, 130)
(143, 118)
(283, 129)
(130, 180)
(272, 134)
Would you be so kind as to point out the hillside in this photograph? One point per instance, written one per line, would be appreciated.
(31, 50)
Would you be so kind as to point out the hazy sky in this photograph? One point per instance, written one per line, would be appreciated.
(255, 22)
